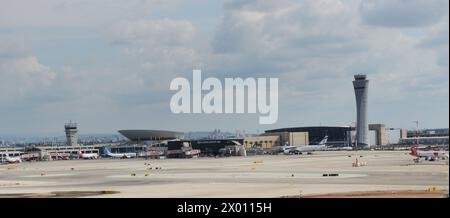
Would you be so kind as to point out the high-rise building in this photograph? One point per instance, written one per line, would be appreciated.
(361, 86)
(71, 133)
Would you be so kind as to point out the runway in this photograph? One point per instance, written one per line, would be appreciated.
(253, 176)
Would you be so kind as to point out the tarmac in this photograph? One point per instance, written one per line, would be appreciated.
(325, 173)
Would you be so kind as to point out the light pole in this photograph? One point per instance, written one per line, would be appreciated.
(417, 132)
(353, 124)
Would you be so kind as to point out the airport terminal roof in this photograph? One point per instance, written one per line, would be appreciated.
(150, 135)
(306, 128)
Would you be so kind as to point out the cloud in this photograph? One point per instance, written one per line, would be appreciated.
(403, 13)
(438, 36)
(75, 13)
(307, 39)
(159, 49)
(165, 32)
(12, 48)
(21, 73)
(314, 47)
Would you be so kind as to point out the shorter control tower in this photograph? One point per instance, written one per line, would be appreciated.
(71, 133)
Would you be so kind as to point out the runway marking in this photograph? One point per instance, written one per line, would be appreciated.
(238, 175)
(58, 194)
(49, 175)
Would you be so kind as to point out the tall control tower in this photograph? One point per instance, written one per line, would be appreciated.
(361, 86)
(71, 133)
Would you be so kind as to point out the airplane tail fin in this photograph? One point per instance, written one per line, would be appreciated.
(106, 151)
(413, 151)
(324, 141)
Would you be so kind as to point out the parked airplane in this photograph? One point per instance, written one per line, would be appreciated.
(346, 148)
(308, 148)
(9, 159)
(108, 153)
(429, 155)
(87, 155)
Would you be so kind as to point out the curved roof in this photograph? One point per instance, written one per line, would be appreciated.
(148, 135)
(307, 128)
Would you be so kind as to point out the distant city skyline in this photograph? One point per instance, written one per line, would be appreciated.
(107, 65)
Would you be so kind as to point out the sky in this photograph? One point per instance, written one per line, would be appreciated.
(108, 64)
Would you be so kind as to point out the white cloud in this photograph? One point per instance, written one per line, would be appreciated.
(21, 74)
(75, 13)
(160, 50)
(163, 32)
(403, 13)
(314, 47)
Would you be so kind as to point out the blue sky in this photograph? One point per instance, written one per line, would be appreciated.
(108, 64)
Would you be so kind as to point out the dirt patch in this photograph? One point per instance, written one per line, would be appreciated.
(382, 194)
(61, 194)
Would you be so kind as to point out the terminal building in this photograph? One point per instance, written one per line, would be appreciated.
(267, 140)
(208, 147)
(340, 136)
(173, 143)
(426, 137)
(337, 135)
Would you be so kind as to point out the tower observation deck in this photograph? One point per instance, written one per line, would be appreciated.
(71, 133)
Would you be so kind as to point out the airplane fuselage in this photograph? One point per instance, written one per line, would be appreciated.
(13, 159)
(121, 155)
(429, 155)
(89, 156)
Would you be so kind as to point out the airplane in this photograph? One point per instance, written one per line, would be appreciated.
(346, 148)
(429, 155)
(87, 155)
(108, 153)
(13, 159)
(308, 148)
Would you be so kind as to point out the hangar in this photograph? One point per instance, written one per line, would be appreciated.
(337, 135)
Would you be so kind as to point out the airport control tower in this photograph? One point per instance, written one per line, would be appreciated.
(361, 86)
(71, 133)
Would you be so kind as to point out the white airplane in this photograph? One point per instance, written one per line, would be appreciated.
(108, 153)
(346, 148)
(429, 155)
(17, 159)
(87, 155)
(308, 148)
